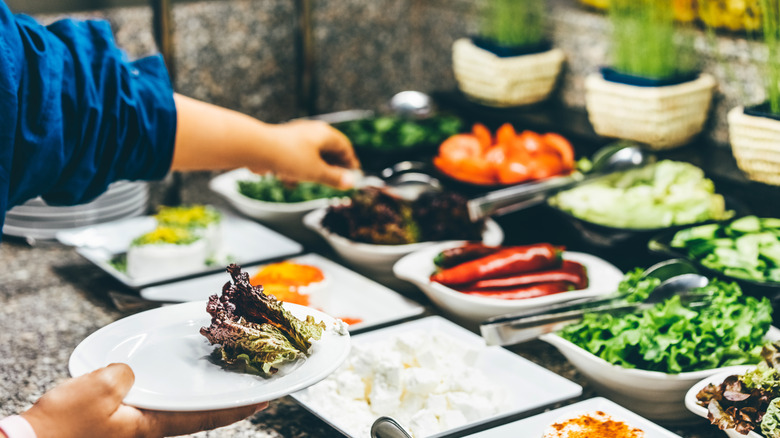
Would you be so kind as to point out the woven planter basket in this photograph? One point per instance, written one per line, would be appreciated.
(755, 142)
(660, 117)
(502, 82)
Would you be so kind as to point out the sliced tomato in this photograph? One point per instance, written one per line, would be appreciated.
(460, 146)
(562, 146)
(506, 134)
(466, 170)
(482, 133)
(496, 155)
(513, 172)
(546, 165)
(533, 142)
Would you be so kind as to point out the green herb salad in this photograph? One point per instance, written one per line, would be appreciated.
(672, 337)
(271, 189)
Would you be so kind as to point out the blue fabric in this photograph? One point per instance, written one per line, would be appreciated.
(75, 114)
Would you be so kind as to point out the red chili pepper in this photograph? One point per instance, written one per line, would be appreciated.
(508, 261)
(524, 292)
(570, 272)
(461, 254)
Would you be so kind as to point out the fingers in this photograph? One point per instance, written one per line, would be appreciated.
(181, 423)
(339, 150)
(338, 177)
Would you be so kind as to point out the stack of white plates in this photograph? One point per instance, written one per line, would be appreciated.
(36, 220)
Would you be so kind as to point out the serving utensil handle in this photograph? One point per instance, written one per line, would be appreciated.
(520, 196)
(510, 331)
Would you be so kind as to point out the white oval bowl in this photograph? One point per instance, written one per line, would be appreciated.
(226, 185)
(652, 394)
(381, 258)
(418, 266)
(690, 396)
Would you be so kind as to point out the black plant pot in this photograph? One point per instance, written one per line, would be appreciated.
(762, 110)
(612, 75)
(503, 51)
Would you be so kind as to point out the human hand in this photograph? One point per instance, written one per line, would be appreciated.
(91, 406)
(309, 150)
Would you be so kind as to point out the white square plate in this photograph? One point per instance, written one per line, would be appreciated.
(243, 242)
(343, 294)
(536, 425)
(527, 385)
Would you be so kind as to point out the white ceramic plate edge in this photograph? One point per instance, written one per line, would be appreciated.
(534, 426)
(225, 185)
(401, 307)
(492, 235)
(79, 362)
(773, 334)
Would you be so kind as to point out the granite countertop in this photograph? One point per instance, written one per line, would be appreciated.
(51, 299)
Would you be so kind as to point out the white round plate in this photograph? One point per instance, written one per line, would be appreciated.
(173, 372)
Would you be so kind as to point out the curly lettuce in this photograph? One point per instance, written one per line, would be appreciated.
(672, 337)
(254, 332)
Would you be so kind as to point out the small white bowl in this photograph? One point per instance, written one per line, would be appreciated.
(380, 258)
(418, 266)
(652, 394)
(226, 185)
(690, 396)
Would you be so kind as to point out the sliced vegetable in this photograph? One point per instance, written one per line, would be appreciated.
(570, 272)
(509, 158)
(747, 248)
(460, 254)
(508, 261)
(523, 292)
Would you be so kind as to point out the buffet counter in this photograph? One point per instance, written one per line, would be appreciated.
(52, 299)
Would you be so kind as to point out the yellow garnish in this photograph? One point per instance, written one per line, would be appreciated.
(193, 216)
(171, 235)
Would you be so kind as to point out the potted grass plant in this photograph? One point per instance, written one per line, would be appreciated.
(511, 62)
(754, 131)
(652, 92)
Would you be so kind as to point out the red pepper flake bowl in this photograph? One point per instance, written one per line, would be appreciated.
(418, 266)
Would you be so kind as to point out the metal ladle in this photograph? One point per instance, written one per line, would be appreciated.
(609, 159)
(411, 104)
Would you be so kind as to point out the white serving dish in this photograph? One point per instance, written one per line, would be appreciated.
(690, 396)
(380, 259)
(527, 385)
(418, 266)
(652, 394)
(536, 425)
(170, 360)
(226, 185)
(242, 242)
(344, 293)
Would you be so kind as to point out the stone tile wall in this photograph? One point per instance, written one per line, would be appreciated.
(241, 53)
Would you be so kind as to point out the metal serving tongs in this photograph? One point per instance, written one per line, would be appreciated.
(612, 158)
(678, 277)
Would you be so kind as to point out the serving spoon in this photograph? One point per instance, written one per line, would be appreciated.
(613, 158)
(388, 427)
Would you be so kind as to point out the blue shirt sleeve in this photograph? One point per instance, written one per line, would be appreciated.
(76, 114)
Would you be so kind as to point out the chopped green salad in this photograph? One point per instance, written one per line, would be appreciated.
(271, 189)
(746, 248)
(391, 132)
(672, 337)
(656, 196)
